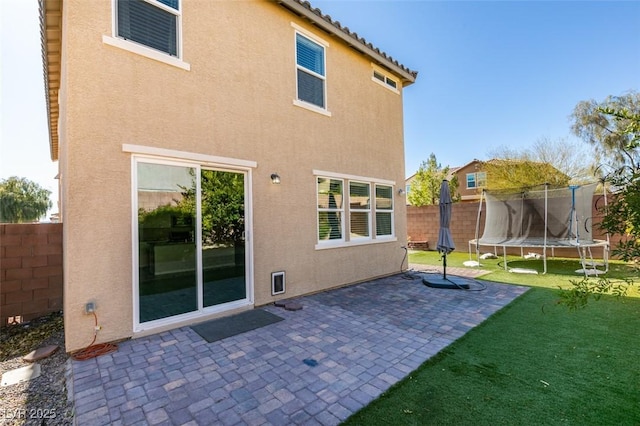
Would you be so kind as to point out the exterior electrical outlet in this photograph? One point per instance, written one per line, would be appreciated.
(277, 283)
(90, 307)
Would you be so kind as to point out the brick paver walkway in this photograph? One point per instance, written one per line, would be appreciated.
(364, 338)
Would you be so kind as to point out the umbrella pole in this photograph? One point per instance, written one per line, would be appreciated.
(444, 265)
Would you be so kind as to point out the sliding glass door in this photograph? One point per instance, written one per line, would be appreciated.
(223, 253)
(190, 239)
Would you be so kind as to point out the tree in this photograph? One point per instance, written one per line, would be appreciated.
(604, 125)
(425, 188)
(570, 158)
(22, 200)
(513, 171)
(622, 215)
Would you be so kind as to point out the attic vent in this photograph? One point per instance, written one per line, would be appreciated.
(277, 283)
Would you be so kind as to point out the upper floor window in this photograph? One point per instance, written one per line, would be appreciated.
(152, 23)
(482, 179)
(476, 180)
(381, 78)
(310, 71)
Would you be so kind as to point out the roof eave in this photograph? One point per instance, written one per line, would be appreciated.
(303, 9)
(51, 39)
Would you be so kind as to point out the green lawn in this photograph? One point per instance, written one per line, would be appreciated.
(532, 363)
(560, 271)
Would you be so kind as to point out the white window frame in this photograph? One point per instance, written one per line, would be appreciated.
(346, 240)
(143, 50)
(360, 210)
(390, 211)
(384, 79)
(340, 211)
(475, 181)
(298, 30)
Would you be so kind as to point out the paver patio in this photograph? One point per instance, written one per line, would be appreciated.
(364, 338)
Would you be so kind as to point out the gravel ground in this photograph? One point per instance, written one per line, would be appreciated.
(43, 400)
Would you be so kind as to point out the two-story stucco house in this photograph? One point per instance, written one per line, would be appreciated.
(215, 156)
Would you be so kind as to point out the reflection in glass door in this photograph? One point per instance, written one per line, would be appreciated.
(191, 239)
(223, 231)
(167, 279)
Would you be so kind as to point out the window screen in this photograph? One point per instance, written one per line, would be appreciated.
(311, 73)
(471, 180)
(384, 210)
(330, 209)
(149, 25)
(359, 209)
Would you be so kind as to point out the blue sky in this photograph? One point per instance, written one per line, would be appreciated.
(492, 74)
(498, 73)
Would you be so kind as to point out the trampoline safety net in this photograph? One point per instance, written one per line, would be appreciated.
(559, 217)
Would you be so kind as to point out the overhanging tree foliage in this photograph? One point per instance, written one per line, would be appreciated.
(622, 216)
(22, 200)
(515, 174)
(425, 187)
(558, 162)
(605, 125)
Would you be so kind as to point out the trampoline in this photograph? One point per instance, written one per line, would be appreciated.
(542, 218)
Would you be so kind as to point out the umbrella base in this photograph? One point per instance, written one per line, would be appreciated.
(451, 282)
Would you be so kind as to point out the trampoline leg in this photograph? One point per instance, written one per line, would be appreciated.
(504, 256)
(584, 266)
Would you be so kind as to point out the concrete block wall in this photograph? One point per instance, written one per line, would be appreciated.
(423, 224)
(30, 271)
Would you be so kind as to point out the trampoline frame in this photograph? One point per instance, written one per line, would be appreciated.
(583, 248)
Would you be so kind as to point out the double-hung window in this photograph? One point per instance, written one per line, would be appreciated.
(476, 180)
(359, 210)
(384, 211)
(151, 23)
(471, 180)
(310, 69)
(481, 178)
(330, 209)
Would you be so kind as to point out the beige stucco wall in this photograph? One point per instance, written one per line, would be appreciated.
(236, 102)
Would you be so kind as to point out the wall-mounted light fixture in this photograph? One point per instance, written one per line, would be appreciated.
(400, 191)
(275, 178)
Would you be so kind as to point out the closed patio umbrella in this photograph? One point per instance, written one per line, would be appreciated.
(445, 245)
(445, 241)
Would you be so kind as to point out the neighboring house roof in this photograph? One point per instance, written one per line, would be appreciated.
(51, 37)
(452, 171)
